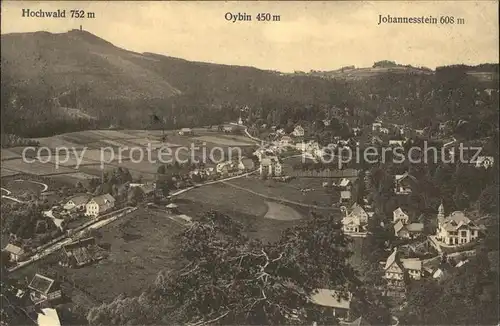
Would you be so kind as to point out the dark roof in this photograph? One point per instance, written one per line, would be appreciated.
(79, 244)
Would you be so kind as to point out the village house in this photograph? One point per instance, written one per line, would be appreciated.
(336, 304)
(185, 131)
(484, 162)
(384, 130)
(15, 253)
(408, 231)
(456, 228)
(420, 132)
(43, 289)
(240, 121)
(376, 126)
(355, 221)
(172, 208)
(77, 202)
(298, 131)
(356, 131)
(396, 268)
(270, 166)
(399, 215)
(228, 129)
(99, 205)
(345, 197)
(280, 132)
(285, 141)
(403, 183)
(80, 253)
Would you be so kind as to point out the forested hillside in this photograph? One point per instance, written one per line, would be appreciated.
(54, 83)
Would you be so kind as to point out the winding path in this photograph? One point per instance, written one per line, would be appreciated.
(45, 186)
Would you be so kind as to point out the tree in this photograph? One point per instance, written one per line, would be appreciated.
(488, 200)
(135, 195)
(231, 279)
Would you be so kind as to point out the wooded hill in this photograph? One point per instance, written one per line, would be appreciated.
(54, 83)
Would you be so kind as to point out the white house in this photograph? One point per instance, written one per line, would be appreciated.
(456, 228)
(384, 130)
(356, 131)
(337, 303)
(186, 131)
(396, 143)
(77, 202)
(398, 214)
(355, 221)
(240, 121)
(270, 166)
(484, 162)
(298, 131)
(403, 183)
(376, 126)
(16, 253)
(99, 205)
(280, 132)
(285, 141)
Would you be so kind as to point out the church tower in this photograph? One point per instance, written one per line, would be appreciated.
(440, 215)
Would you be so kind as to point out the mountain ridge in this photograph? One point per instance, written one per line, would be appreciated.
(47, 77)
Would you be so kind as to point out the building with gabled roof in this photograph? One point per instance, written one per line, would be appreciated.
(396, 269)
(403, 183)
(80, 252)
(456, 228)
(408, 231)
(399, 215)
(16, 253)
(43, 289)
(338, 303)
(99, 205)
(77, 202)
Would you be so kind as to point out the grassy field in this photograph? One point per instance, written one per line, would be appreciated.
(97, 143)
(140, 245)
(317, 195)
(248, 209)
(281, 212)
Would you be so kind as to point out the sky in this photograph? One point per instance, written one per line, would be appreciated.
(309, 35)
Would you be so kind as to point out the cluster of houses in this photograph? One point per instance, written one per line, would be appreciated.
(234, 167)
(92, 206)
(453, 231)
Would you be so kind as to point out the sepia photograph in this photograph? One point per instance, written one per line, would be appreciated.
(249, 163)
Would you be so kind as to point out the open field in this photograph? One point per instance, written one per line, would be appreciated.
(317, 195)
(10, 154)
(140, 245)
(6, 172)
(19, 187)
(248, 209)
(281, 212)
(36, 168)
(121, 142)
(226, 140)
